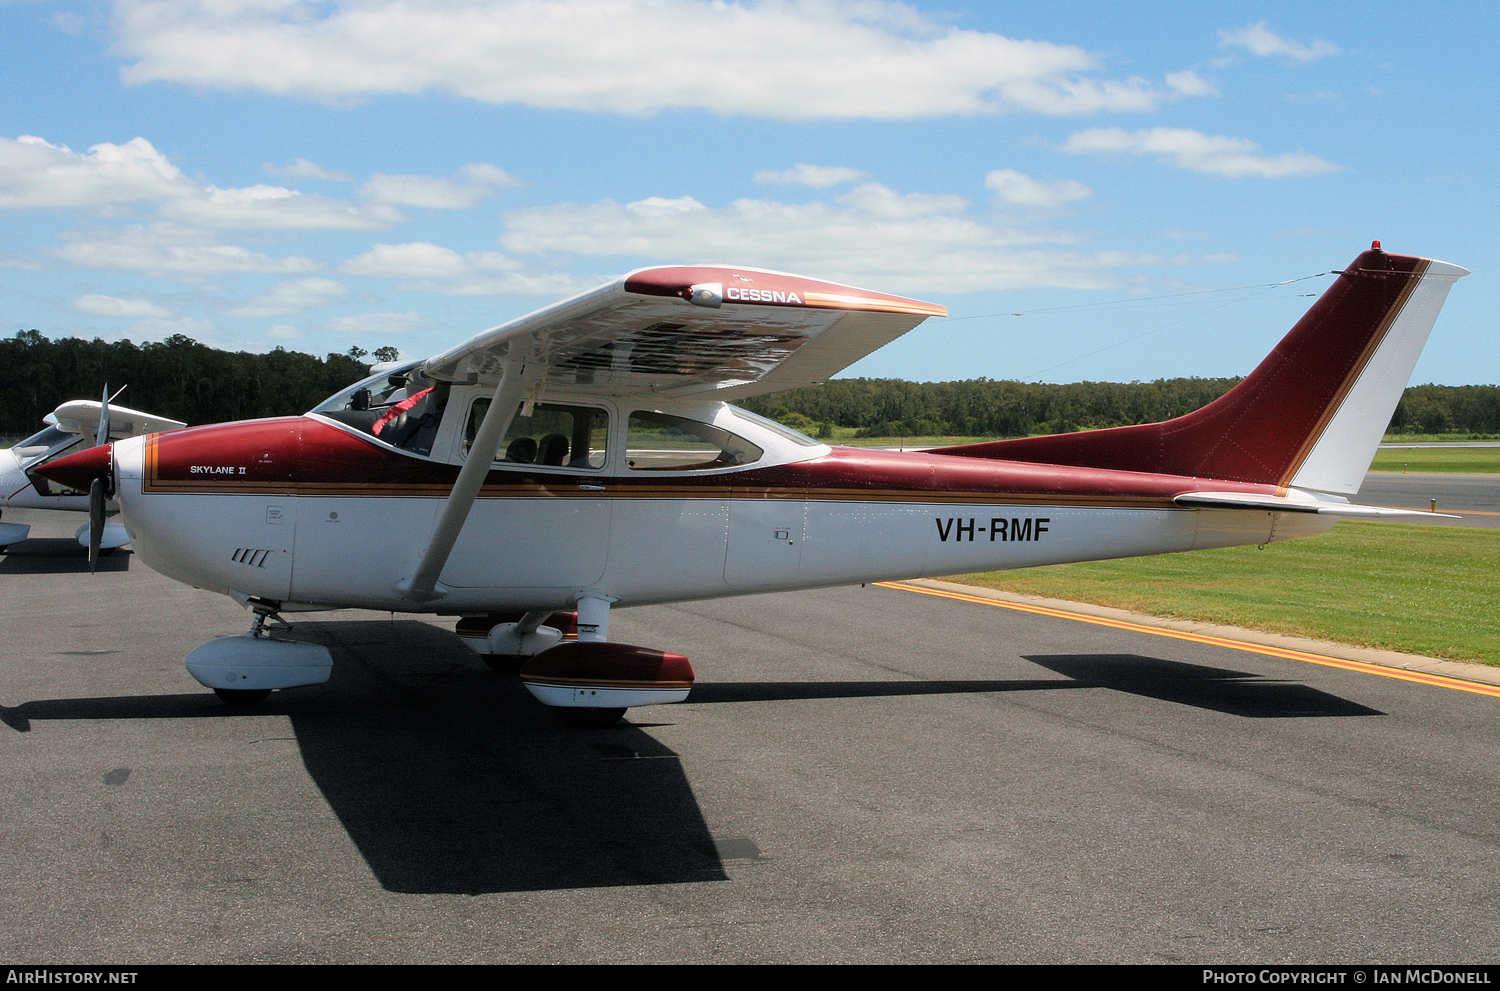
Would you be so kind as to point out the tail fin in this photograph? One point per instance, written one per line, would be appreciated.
(1313, 412)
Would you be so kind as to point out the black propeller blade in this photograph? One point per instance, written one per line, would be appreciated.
(96, 520)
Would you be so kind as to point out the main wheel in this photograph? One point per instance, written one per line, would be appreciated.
(580, 718)
(242, 696)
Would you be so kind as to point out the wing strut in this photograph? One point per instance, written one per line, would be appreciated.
(423, 586)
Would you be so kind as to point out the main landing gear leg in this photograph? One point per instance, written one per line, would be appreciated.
(593, 627)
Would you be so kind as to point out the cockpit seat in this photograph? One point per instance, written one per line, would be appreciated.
(522, 450)
(552, 450)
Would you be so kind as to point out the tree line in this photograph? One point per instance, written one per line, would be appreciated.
(195, 383)
(178, 377)
(992, 408)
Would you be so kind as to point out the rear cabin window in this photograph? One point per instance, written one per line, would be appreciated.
(662, 442)
(547, 434)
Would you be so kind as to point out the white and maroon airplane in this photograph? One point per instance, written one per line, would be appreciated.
(22, 487)
(586, 457)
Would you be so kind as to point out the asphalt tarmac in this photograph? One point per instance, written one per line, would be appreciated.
(861, 775)
(1476, 498)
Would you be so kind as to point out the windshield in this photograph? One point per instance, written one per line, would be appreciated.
(42, 442)
(397, 406)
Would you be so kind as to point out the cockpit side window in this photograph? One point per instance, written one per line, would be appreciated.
(547, 434)
(663, 442)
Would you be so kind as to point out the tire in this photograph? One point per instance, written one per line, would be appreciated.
(579, 718)
(242, 696)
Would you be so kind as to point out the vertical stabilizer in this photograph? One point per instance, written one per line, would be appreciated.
(1336, 456)
(1312, 413)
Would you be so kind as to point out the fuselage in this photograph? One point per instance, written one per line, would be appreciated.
(313, 511)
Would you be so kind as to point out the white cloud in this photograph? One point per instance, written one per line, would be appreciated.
(169, 250)
(1261, 40)
(284, 332)
(882, 201)
(292, 297)
(301, 168)
(816, 176)
(1189, 83)
(35, 174)
(271, 207)
(1019, 189)
(788, 60)
(1199, 152)
(472, 183)
(873, 237)
(361, 324)
(475, 273)
(113, 306)
(416, 260)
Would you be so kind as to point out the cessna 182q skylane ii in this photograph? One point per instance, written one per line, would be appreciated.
(21, 487)
(584, 457)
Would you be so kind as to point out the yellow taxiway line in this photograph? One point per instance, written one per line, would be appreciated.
(1295, 655)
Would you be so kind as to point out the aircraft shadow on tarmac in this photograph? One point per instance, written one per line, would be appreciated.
(787, 691)
(57, 556)
(1238, 693)
(451, 779)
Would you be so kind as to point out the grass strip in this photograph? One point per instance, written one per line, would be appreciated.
(1449, 459)
(1409, 587)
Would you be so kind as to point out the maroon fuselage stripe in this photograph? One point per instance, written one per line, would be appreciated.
(307, 456)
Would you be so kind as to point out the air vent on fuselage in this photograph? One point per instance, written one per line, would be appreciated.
(251, 556)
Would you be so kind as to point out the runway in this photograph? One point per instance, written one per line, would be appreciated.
(861, 775)
(1474, 497)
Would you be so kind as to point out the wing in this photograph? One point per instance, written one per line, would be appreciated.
(81, 416)
(674, 331)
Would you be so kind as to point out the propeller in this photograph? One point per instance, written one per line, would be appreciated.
(96, 520)
(101, 436)
(98, 493)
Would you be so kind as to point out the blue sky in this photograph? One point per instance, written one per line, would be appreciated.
(1133, 181)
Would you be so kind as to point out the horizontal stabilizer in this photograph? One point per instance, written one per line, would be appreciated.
(1296, 502)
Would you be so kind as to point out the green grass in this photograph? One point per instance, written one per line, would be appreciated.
(1408, 587)
(1436, 438)
(1452, 459)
